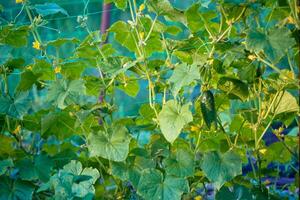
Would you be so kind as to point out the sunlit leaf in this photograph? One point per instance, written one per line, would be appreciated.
(113, 145)
(184, 75)
(172, 118)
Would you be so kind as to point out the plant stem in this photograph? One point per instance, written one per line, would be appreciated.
(151, 29)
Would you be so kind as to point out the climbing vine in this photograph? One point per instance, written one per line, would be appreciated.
(219, 119)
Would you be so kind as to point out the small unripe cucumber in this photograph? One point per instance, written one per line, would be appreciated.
(208, 110)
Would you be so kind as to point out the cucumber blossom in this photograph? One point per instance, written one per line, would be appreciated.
(208, 110)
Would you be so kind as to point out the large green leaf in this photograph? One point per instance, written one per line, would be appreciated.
(172, 118)
(14, 36)
(220, 168)
(180, 163)
(165, 8)
(198, 19)
(113, 145)
(93, 85)
(153, 186)
(93, 50)
(240, 192)
(28, 79)
(147, 114)
(234, 87)
(277, 152)
(124, 35)
(72, 69)
(5, 165)
(132, 168)
(49, 9)
(37, 168)
(237, 192)
(6, 145)
(59, 123)
(61, 41)
(184, 75)
(121, 4)
(14, 63)
(285, 103)
(63, 93)
(194, 21)
(131, 87)
(12, 190)
(44, 69)
(15, 107)
(274, 43)
(73, 182)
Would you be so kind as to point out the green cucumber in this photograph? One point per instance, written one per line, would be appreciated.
(208, 110)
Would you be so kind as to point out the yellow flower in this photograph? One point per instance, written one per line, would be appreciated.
(57, 70)
(36, 45)
(17, 130)
(29, 68)
(252, 57)
(290, 74)
(263, 151)
(142, 7)
(229, 21)
(194, 128)
(210, 61)
(142, 35)
(267, 182)
(290, 20)
(198, 197)
(19, 1)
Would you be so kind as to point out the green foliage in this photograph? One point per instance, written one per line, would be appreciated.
(5, 164)
(63, 93)
(274, 43)
(37, 168)
(183, 75)
(180, 163)
(172, 118)
(16, 106)
(14, 36)
(49, 9)
(72, 181)
(208, 83)
(15, 189)
(153, 185)
(112, 145)
(220, 168)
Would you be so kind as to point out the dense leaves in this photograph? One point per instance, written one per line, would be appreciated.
(63, 93)
(274, 43)
(16, 106)
(177, 100)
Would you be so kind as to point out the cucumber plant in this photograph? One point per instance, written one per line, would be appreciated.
(219, 118)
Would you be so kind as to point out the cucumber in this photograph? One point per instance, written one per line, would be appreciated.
(208, 110)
